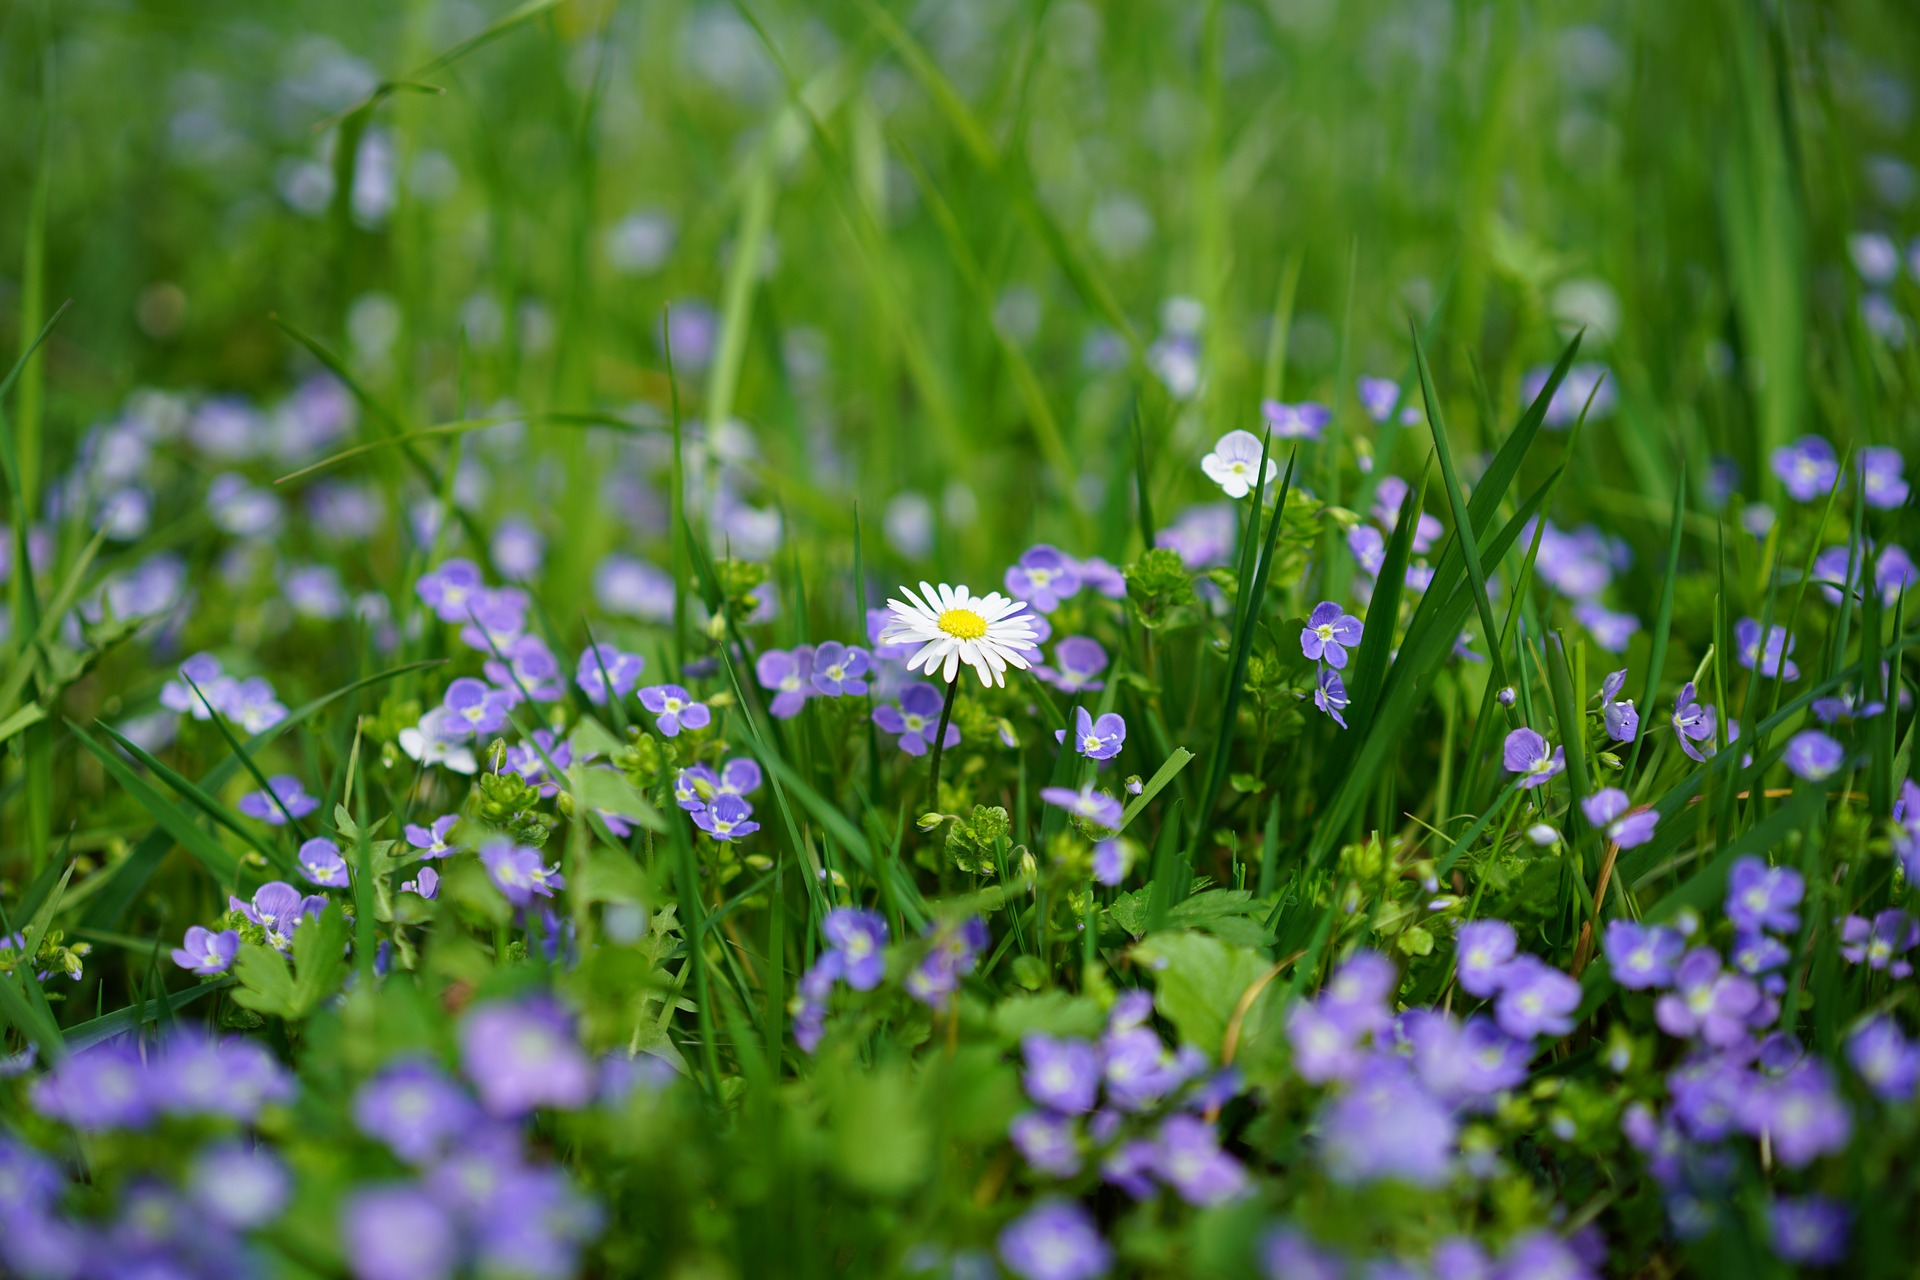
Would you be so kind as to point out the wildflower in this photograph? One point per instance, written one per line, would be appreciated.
(1387, 1126)
(1481, 954)
(398, 1232)
(104, 1087)
(1764, 897)
(1369, 548)
(1109, 862)
(1055, 1240)
(604, 670)
(1234, 462)
(1542, 1255)
(426, 743)
(431, 840)
(915, 719)
(1062, 1074)
(728, 818)
(239, 1187)
(288, 798)
(522, 1055)
(739, 776)
(1621, 720)
(472, 710)
(1707, 1002)
(415, 1109)
(1389, 498)
(1842, 566)
(1692, 722)
(496, 617)
(1543, 835)
(1882, 942)
(1095, 739)
(1096, 807)
(1881, 477)
(528, 760)
(858, 937)
(1583, 382)
(1807, 467)
(633, 588)
(426, 883)
(1526, 753)
(1294, 421)
(530, 671)
(202, 670)
(322, 864)
(1885, 1059)
(839, 670)
(790, 674)
(1607, 810)
(278, 908)
(1078, 663)
(1535, 999)
(1809, 1229)
(1045, 576)
(1813, 756)
(1329, 633)
(1050, 1143)
(1847, 705)
(518, 871)
(1287, 1254)
(1330, 694)
(1378, 396)
(694, 786)
(674, 709)
(1758, 955)
(1642, 956)
(1801, 1113)
(953, 626)
(956, 950)
(1462, 1062)
(206, 952)
(1188, 1158)
(1201, 536)
(1612, 632)
(450, 588)
(1775, 660)
(1102, 577)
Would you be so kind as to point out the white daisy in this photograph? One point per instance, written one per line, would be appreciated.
(952, 625)
(1234, 463)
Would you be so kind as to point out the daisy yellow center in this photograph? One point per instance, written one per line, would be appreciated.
(963, 624)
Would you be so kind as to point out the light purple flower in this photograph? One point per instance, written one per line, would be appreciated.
(528, 760)
(839, 670)
(1763, 897)
(1881, 943)
(415, 1108)
(1044, 577)
(860, 938)
(1102, 577)
(1776, 659)
(473, 709)
(1050, 1143)
(603, 667)
(523, 1054)
(790, 675)
(207, 952)
(1481, 954)
(674, 708)
(954, 954)
(1055, 1240)
(1801, 1113)
(727, 818)
(1078, 664)
(1330, 694)
(1303, 421)
(1813, 756)
(1535, 998)
(1707, 1002)
(1329, 633)
(1188, 1158)
(1612, 632)
(1526, 753)
(104, 1087)
(1096, 807)
(432, 840)
(915, 719)
(239, 1187)
(1463, 1063)
(278, 908)
(497, 617)
(1607, 810)
(1287, 1254)
(1378, 396)
(1809, 1229)
(1109, 862)
(450, 588)
(1885, 1059)
(1389, 499)
(292, 798)
(1693, 722)
(321, 863)
(1881, 475)
(518, 871)
(1642, 956)
(398, 1232)
(530, 668)
(1387, 1126)
(1369, 548)
(1095, 739)
(1062, 1074)
(1583, 382)
(1807, 467)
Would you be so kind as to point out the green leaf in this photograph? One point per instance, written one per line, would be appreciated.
(319, 967)
(610, 792)
(1198, 981)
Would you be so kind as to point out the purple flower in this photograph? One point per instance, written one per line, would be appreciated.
(1693, 722)
(1809, 1229)
(1329, 633)
(1885, 1060)
(518, 871)
(426, 883)
(956, 950)
(1481, 954)
(196, 1075)
(1095, 807)
(398, 1232)
(517, 549)
(207, 952)
(1755, 954)
(1050, 1143)
(1129, 1166)
(839, 669)
(603, 667)
(292, 798)
(473, 709)
(1103, 578)
(498, 617)
(1535, 998)
(1330, 694)
(449, 589)
(104, 1087)
(1807, 467)
(530, 667)
(1583, 382)
(1542, 1255)
(1079, 662)
(1881, 943)
(674, 708)
(1881, 476)
(1642, 956)
(860, 938)
(1706, 1002)
(522, 1055)
(1369, 548)
(790, 675)
(1813, 756)
(1526, 753)
(1462, 1062)
(1607, 810)
(1763, 897)
(415, 1109)
(1234, 465)
(278, 908)
(1188, 1158)
(1838, 567)
(239, 1187)
(1389, 497)
(321, 863)
(1378, 396)
(527, 760)
(1800, 1112)
(693, 786)
(1621, 720)
(727, 818)
(1137, 1067)
(1055, 1240)
(1324, 1049)
(1095, 739)
(1295, 421)
(1773, 658)
(1203, 536)
(1043, 577)
(1109, 862)
(1612, 632)
(915, 719)
(1387, 1126)
(432, 840)
(1287, 1254)
(1062, 1074)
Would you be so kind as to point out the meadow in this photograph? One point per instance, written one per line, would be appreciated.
(1252, 638)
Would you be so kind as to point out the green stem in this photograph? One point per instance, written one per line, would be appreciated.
(939, 746)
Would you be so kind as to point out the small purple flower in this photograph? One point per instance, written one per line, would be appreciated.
(860, 938)
(498, 617)
(1323, 1049)
(278, 908)
(1526, 753)
(1809, 1229)
(1387, 1126)
(1295, 421)
(1464, 1062)
(1584, 382)
(674, 708)
(1044, 577)
(321, 863)
(1129, 1166)
(473, 709)
(1330, 694)
(449, 589)
(1188, 1158)
(1055, 1240)
(239, 1187)
(1542, 1255)
(528, 759)
(1378, 396)
(1885, 1060)
(1801, 1113)
(1103, 578)
(292, 798)
(1881, 943)
(1535, 999)
(1369, 548)
(1287, 1254)
(518, 871)
(728, 818)
(1050, 1143)
(1882, 477)
(1061, 1074)
(915, 719)
(1329, 633)
(603, 667)
(1693, 722)
(1642, 956)
(694, 786)
(1096, 807)
(1763, 897)
(1109, 862)
(1774, 657)
(104, 1087)
(529, 666)
(1622, 722)
(1707, 1002)
(1078, 664)
(522, 1055)
(398, 1232)
(1607, 810)
(415, 1109)
(206, 952)
(956, 950)
(1813, 756)
(431, 840)
(1095, 739)
(1807, 467)
(790, 675)
(1389, 499)
(426, 883)
(739, 776)
(1481, 954)
(839, 670)
(1612, 631)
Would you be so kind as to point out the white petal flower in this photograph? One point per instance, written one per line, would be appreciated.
(952, 625)
(424, 743)
(1234, 463)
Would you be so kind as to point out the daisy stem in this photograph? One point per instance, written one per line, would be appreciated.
(939, 745)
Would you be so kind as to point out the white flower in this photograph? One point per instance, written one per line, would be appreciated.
(427, 746)
(952, 625)
(1235, 461)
